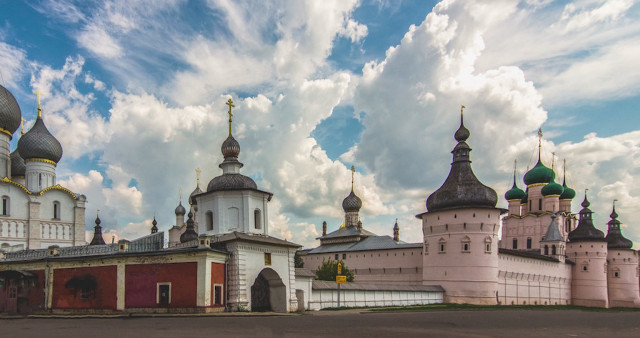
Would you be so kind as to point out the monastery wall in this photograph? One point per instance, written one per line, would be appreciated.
(530, 281)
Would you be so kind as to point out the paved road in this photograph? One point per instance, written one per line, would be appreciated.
(343, 324)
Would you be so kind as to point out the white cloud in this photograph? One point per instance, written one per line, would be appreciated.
(12, 64)
(99, 42)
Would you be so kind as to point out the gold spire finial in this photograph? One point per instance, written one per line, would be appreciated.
(97, 212)
(180, 194)
(22, 120)
(38, 93)
(539, 142)
(198, 171)
(614, 202)
(462, 113)
(231, 105)
(553, 160)
(353, 172)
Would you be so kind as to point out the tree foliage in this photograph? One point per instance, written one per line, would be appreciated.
(297, 261)
(329, 270)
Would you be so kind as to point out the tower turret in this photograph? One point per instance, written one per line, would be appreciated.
(97, 234)
(351, 205)
(396, 232)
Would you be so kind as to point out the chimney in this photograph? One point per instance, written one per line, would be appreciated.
(324, 228)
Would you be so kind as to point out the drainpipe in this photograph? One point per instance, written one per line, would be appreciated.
(226, 284)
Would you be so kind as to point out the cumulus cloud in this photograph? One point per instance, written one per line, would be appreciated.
(12, 63)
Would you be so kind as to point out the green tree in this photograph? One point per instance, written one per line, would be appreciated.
(297, 261)
(329, 269)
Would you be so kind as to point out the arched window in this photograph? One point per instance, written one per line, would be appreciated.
(257, 219)
(56, 210)
(5, 205)
(546, 249)
(553, 249)
(515, 243)
(529, 243)
(487, 244)
(442, 245)
(209, 220)
(466, 244)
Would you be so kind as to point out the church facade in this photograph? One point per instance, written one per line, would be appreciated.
(36, 212)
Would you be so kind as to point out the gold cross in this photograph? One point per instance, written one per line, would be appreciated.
(38, 93)
(231, 105)
(353, 172)
(462, 109)
(22, 126)
(198, 171)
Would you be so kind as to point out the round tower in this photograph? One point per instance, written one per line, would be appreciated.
(41, 152)
(622, 274)
(351, 206)
(587, 248)
(460, 231)
(10, 117)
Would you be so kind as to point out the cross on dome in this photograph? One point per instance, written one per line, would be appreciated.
(231, 105)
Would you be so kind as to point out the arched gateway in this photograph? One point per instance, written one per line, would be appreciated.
(268, 292)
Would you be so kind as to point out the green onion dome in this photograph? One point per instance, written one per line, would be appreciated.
(552, 189)
(567, 193)
(540, 174)
(514, 193)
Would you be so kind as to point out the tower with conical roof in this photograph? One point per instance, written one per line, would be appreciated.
(97, 233)
(232, 201)
(587, 248)
(553, 244)
(41, 152)
(622, 265)
(460, 231)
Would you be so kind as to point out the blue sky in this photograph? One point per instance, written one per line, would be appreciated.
(135, 92)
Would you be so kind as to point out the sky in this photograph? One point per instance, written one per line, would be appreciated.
(135, 91)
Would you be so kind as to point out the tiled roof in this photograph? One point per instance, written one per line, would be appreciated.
(366, 244)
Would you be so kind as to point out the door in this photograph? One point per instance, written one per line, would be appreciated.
(165, 290)
(12, 300)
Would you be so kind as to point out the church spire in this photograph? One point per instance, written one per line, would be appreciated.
(38, 93)
(97, 232)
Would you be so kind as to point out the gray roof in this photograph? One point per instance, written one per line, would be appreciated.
(528, 254)
(366, 244)
(10, 116)
(232, 236)
(231, 182)
(331, 285)
(586, 231)
(553, 234)
(351, 202)
(39, 143)
(302, 272)
(462, 188)
(346, 232)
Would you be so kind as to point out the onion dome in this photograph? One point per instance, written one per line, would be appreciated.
(180, 210)
(10, 116)
(351, 203)
(586, 231)
(540, 174)
(567, 193)
(39, 143)
(97, 234)
(18, 168)
(190, 233)
(462, 188)
(514, 193)
(230, 147)
(154, 228)
(552, 189)
(615, 239)
(196, 191)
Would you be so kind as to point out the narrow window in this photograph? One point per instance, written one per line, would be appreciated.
(267, 258)
(529, 205)
(56, 210)
(515, 243)
(40, 181)
(5, 205)
(546, 249)
(540, 204)
(487, 247)
(344, 256)
(336, 257)
(209, 220)
(616, 274)
(217, 294)
(257, 219)
(442, 245)
(529, 243)
(553, 249)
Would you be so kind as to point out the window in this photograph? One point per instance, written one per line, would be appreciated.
(257, 219)
(40, 181)
(267, 258)
(616, 274)
(209, 220)
(487, 245)
(529, 205)
(336, 257)
(5, 205)
(540, 204)
(344, 256)
(515, 243)
(553, 250)
(466, 244)
(529, 243)
(426, 248)
(546, 249)
(584, 267)
(442, 244)
(217, 294)
(56, 210)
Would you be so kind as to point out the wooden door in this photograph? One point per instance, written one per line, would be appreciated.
(12, 300)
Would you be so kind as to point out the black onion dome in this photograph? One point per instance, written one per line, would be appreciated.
(10, 115)
(586, 231)
(18, 168)
(230, 147)
(462, 188)
(231, 182)
(97, 234)
(39, 143)
(180, 210)
(615, 239)
(196, 191)
(190, 233)
(351, 203)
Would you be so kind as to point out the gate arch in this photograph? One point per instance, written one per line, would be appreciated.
(268, 292)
